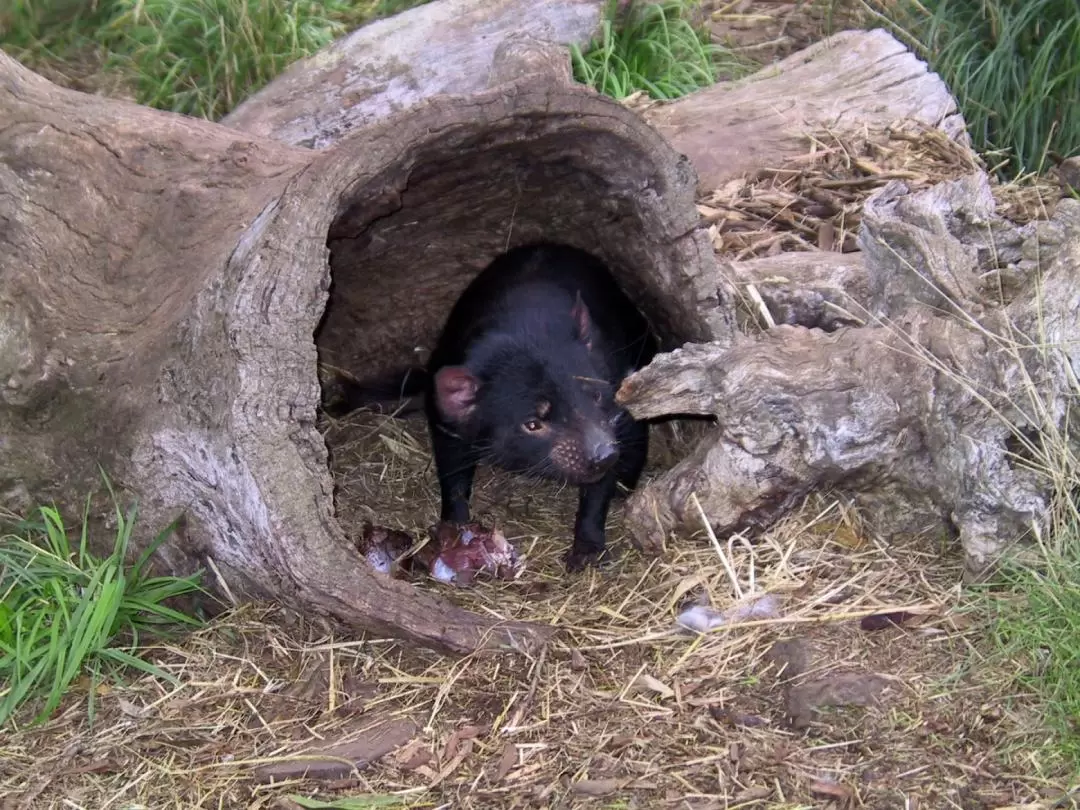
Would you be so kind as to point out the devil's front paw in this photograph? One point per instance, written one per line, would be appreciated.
(580, 559)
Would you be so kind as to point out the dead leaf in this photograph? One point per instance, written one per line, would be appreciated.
(960, 621)
(833, 689)
(413, 756)
(646, 681)
(879, 621)
(458, 747)
(833, 790)
(103, 765)
(620, 741)
(687, 689)
(457, 738)
(729, 718)
(131, 710)
(577, 660)
(377, 740)
(791, 657)
(753, 794)
(598, 787)
(506, 762)
(846, 536)
(826, 236)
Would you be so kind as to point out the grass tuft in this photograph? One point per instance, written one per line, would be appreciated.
(652, 48)
(64, 612)
(203, 57)
(53, 35)
(1037, 630)
(198, 57)
(1014, 66)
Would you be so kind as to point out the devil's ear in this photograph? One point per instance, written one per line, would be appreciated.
(455, 393)
(582, 321)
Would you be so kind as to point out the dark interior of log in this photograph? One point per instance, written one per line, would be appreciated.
(406, 244)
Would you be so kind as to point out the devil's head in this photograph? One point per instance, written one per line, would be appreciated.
(536, 400)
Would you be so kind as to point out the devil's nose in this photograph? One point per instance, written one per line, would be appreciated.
(604, 454)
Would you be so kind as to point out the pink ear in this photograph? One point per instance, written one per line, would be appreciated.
(455, 393)
(580, 314)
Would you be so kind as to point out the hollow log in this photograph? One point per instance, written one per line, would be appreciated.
(162, 280)
(933, 413)
(848, 83)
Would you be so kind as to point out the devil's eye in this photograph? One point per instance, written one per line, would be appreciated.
(533, 425)
(598, 397)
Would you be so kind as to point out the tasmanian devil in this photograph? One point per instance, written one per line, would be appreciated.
(524, 376)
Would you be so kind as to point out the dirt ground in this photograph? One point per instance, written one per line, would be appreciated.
(807, 707)
(811, 705)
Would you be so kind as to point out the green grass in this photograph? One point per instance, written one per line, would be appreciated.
(387, 8)
(1036, 618)
(65, 612)
(29, 24)
(56, 32)
(198, 57)
(203, 57)
(1014, 66)
(653, 48)
(1033, 601)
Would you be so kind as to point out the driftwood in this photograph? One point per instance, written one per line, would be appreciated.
(929, 415)
(805, 289)
(168, 286)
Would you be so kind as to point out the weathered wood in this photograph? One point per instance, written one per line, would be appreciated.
(168, 287)
(162, 278)
(919, 414)
(845, 84)
(823, 290)
(390, 66)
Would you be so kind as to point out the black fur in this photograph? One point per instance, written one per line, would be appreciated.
(398, 391)
(524, 376)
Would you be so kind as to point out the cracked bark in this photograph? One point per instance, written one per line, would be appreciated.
(923, 416)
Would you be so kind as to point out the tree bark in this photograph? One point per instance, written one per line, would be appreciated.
(851, 82)
(162, 278)
(822, 290)
(390, 66)
(943, 409)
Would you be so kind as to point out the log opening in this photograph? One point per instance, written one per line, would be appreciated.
(404, 247)
(404, 244)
